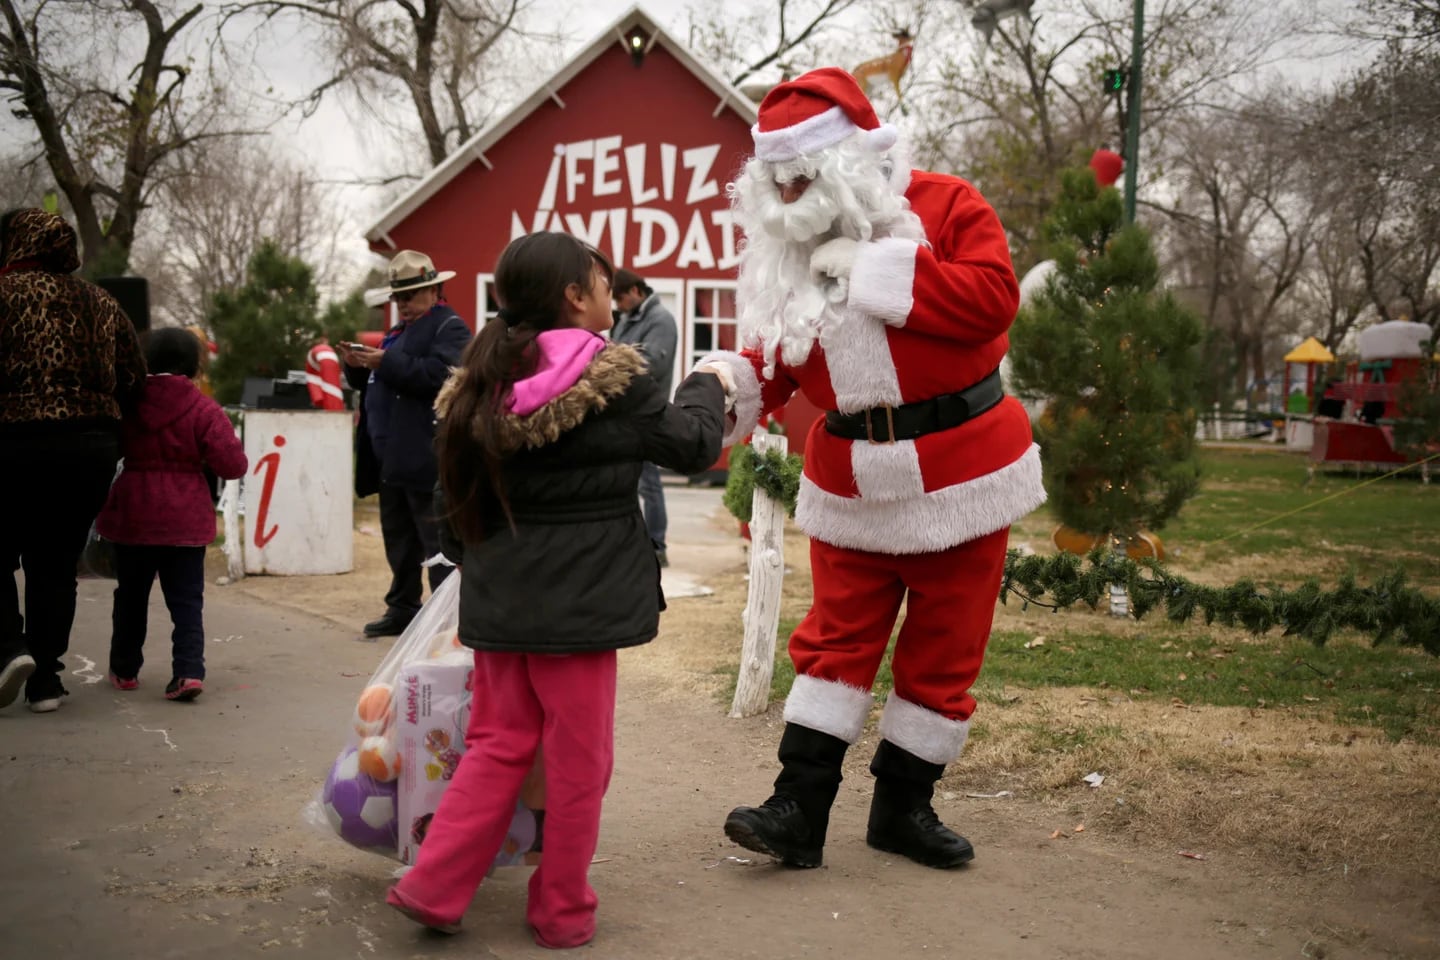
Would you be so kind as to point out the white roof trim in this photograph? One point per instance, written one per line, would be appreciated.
(475, 148)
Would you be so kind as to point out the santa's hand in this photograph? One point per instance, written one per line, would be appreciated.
(834, 258)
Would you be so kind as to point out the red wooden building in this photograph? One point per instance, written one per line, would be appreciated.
(629, 146)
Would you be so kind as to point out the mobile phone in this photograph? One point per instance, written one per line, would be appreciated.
(353, 346)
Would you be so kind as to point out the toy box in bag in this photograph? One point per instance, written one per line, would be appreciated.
(432, 712)
(406, 737)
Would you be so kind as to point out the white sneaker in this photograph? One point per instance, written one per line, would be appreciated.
(13, 676)
(48, 705)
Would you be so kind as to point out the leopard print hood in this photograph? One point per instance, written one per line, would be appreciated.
(40, 238)
(67, 351)
(606, 377)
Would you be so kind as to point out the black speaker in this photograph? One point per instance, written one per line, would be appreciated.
(133, 295)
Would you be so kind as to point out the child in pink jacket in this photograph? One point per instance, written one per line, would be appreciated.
(160, 514)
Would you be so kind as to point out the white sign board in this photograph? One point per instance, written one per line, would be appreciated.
(299, 496)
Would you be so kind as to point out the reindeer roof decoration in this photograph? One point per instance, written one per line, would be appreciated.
(892, 66)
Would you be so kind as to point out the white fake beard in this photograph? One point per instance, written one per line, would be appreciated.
(783, 308)
(782, 303)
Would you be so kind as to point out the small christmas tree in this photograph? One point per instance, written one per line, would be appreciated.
(1118, 363)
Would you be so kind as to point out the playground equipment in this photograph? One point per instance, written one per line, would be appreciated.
(1350, 422)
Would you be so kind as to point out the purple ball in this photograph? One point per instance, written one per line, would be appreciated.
(361, 809)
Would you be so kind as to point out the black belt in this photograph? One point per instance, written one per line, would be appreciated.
(911, 420)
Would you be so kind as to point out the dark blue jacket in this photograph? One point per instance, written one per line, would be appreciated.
(412, 371)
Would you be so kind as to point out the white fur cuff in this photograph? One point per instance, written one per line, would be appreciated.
(882, 281)
(828, 706)
(931, 736)
(743, 387)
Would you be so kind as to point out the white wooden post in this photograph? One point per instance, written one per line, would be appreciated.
(234, 543)
(762, 607)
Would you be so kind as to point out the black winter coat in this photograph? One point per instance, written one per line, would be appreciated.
(578, 572)
(414, 368)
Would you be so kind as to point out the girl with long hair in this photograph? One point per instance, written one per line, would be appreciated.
(543, 432)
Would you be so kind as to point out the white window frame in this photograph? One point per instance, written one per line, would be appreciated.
(485, 311)
(692, 354)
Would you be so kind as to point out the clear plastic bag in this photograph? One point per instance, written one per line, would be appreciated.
(404, 741)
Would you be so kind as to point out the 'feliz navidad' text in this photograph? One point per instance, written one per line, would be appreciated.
(598, 164)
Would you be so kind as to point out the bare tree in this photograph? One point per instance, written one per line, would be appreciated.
(214, 213)
(439, 56)
(1011, 112)
(1374, 144)
(113, 96)
(1244, 227)
(741, 43)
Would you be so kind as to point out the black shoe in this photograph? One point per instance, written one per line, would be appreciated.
(919, 835)
(13, 676)
(389, 625)
(901, 818)
(778, 829)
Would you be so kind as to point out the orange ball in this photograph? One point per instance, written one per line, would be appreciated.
(379, 759)
(375, 710)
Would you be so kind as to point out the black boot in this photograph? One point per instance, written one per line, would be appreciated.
(901, 818)
(791, 825)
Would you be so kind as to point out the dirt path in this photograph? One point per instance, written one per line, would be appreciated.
(141, 828)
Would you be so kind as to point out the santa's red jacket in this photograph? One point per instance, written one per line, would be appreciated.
(924, 319)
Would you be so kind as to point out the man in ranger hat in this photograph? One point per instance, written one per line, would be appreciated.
(394, 441)
(884, 293)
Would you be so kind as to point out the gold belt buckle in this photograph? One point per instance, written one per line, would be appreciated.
(889, 423)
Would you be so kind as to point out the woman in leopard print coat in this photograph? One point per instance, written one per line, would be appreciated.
(69, 364)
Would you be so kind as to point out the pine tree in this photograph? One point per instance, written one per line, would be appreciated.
(1118, 362)
(266, 327)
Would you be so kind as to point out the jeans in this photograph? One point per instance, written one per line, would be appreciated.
(182, 581)
(55, 486)
(652, 502)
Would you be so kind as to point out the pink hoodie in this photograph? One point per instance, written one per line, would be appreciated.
(564, 355)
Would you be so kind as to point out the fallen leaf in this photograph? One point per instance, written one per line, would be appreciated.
(1057, 835)
(1310, 699)
(1037, 642)
(1079, 828)
(1181, 677)
(1094, 779)
(1192, 855)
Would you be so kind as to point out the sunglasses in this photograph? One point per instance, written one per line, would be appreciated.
(406, 296)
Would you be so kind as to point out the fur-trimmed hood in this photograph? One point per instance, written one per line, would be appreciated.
(606, 377)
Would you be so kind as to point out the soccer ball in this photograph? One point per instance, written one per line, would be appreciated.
(361, 809)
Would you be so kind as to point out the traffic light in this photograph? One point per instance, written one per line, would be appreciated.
(1114, 81)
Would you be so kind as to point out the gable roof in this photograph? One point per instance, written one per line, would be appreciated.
(474, 149)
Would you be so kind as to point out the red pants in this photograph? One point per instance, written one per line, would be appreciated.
(837, 649)
(524, 701)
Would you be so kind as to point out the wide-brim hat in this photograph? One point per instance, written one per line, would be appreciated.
(411, 270)
(814, 112)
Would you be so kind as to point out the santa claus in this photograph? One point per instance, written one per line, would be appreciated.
(884, 294)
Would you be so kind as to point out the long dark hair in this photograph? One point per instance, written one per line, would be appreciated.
(530, 282)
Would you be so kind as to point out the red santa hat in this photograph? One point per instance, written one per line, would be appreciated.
(814, 112)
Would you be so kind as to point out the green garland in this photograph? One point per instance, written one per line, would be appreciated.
(1387, 610)
(776, 475)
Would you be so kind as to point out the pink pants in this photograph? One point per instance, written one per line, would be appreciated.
(523, 701)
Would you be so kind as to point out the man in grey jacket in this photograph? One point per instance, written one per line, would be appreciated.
(643, 321)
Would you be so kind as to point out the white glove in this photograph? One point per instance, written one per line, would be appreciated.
(834, 258)
(727, 381)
